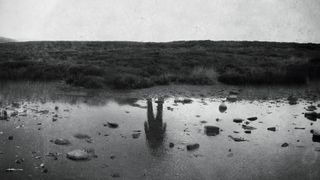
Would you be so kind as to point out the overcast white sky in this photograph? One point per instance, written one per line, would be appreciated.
(161, 20)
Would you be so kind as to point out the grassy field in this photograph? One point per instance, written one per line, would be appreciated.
(127, 65)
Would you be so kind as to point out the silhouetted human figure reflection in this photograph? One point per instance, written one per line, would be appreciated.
(155, 128)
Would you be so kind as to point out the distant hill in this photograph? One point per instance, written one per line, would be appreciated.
(5, 40)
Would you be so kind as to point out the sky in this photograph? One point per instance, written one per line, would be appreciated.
(161, 20)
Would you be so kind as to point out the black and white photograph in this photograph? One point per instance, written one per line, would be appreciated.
(160, 89)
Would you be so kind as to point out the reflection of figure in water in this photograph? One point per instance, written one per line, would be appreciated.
(155, 128)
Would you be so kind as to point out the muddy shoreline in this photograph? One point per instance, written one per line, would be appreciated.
(54, 131)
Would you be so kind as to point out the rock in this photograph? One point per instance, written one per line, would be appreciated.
(3, 115)
(285, 145)
(14, 114)
(311, 108)
(13, 170)
(234, 92)
(238, 120)
(222, 107)
(203, 122)
(317, 149)
(45, 170)
(232, 98)
(299, 128)
(312, 116)
(171, 145)
(112, 125)
(237, 139)
(56, 108)
(211, 130)
(135, 135)
(61, 141)
(183, 101)
(15, 105)
(246, 127)
(191, 147)
(315, 135)
(10, 138)
(81, 154)
(247, 132)
(115, 175)
(271, 129)
(292, 100)
(19, 161)
(82, 136)
(252, 118)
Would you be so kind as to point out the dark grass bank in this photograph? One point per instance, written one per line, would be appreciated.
(127, 65)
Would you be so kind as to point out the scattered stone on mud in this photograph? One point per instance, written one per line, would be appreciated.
(191, 147)
(285, 145)
(252, 118)
(237, 139)
(238, 120)
(232, 98)
(81, 154)
(136, 135)
(222, 107)
(61, 141)
(312, 116)
(271, 128)
(111, 125)
(246, 127)
(211, 130)
(292, 100)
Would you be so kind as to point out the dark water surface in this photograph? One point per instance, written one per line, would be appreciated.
(148, 121)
